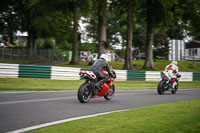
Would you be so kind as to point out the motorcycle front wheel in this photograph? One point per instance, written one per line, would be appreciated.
(110, 93)
(175, 89)
(161, 87)
(84, 93)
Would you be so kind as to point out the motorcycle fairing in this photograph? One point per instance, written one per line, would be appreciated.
(88, 74)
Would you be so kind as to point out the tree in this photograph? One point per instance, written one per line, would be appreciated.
(44, 19)
(161, 44)
(75, 36)
(115, 26)
(126, 7)
(129, 42)
(158, 16)
(149, 35)
(9, 20)
(102, 5)
(188, 12)
(77, 5)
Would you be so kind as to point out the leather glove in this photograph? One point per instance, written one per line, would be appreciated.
(178, 75)
(112, 75)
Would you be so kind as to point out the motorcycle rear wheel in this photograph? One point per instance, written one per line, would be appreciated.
(110, 93)
(84, 93)
(161, 87)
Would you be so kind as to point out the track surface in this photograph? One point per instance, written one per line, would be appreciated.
(21, 110)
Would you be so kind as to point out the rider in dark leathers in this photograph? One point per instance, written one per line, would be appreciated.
(98, 66)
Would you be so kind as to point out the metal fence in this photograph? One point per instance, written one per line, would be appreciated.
(51, 56)
(43, 56)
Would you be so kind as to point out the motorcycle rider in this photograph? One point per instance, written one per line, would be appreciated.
(101, 65)
(172, 70)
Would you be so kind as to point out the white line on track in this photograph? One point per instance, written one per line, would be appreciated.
(60, 91)
(18, 92)
(66, 120)
(53, 99)
(130, 92)
(35, 100)
(61, 121)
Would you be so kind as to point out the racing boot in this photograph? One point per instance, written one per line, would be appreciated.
(98, 87)
(98, 84)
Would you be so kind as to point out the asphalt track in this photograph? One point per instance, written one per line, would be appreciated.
(25, 109)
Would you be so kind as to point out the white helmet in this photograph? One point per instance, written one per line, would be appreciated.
(174, 62)
(104, 56)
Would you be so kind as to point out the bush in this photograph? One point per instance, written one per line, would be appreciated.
(48, 44)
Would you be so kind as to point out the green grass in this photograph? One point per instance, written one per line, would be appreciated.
(184, 66)
(179, 117)
(48, 84)
(38, 84)
(16, 61)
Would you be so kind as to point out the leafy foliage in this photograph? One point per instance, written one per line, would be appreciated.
(9, 20)
(174, 19)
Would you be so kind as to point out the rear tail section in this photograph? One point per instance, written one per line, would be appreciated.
(89, 75)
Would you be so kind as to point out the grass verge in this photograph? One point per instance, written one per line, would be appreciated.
(184, 66)
(48, 84)
(179, 117)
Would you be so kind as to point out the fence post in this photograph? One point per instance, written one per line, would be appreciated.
(11, 53)
(2, 53)
(19, 53)
(49, 59)
(23, 55)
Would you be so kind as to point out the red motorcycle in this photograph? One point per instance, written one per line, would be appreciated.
(88, 89)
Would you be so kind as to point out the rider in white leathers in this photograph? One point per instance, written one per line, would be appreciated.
(172, 70)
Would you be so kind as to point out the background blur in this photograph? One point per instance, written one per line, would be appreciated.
(68, 31)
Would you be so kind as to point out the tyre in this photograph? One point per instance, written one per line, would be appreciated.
(162, 87)
(84, 93)
(175, 89)
(110, 93)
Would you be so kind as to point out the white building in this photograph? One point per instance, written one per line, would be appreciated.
(192, 50)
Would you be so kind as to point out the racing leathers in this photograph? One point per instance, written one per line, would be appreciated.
(172, 71)
(97, 67)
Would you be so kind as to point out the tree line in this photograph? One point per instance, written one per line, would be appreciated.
(139, 23)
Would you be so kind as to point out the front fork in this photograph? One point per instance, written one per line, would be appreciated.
(170, 84)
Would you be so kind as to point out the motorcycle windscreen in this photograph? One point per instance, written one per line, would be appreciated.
(164, 75)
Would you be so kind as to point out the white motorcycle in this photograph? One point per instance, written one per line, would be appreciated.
(166, 84)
